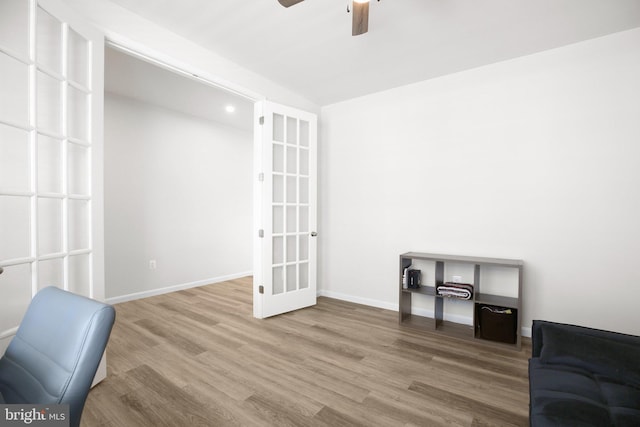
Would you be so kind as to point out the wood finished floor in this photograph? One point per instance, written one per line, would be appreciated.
(198, 357)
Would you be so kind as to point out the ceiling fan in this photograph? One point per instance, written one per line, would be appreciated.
(360, 22)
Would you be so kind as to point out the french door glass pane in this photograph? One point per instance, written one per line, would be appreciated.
(16, 294)
(278, 250)
(49, 164)
(304, 162)
(78, 59)
(304, 133)
(292, 160)
(304, 275)
(278, 158)
(79, 274)
(292, 134)
(78, 224)
(14, 228)
(78, 169)
(304, 219)
(49, 41)
(291, 248)
(14, 26)
(291, 219)
(291, 278)
(304, 247)
(51, 273)
(14, 87)
(278, 189)
(78, 114)
(304, 190)
(49, 103)
(278, 280)
(14, 159)
(278, 220)
(49, 226)
(292, 189)
(278, 128)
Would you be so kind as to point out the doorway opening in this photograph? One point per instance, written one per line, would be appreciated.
(178, 179)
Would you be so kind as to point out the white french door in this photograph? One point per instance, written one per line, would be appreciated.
(51, 108)
(285, 214)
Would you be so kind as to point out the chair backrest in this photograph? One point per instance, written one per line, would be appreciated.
(56, 351)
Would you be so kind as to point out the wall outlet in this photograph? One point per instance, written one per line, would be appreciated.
(152, 264)
(456, 279)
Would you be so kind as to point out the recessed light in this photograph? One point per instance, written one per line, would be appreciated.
(230, 108)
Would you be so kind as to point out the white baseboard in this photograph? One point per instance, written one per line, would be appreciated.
(180, 287)
(391, 306)
(358, 300)
(455, 318)
(526, 332)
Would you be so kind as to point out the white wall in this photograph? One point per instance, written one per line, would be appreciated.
(177, 190)
(535, 158)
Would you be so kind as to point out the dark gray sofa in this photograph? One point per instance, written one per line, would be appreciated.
(583, 377)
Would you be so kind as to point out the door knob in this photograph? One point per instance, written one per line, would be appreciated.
(314, 234)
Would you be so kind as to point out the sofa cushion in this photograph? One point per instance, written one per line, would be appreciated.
(563, 395)
(595, 354)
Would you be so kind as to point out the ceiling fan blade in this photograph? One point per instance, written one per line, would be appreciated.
(287, 3)
(360, 18)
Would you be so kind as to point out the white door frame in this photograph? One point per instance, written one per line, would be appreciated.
(164, 61)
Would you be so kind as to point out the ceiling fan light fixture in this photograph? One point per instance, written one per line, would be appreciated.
(360, 21)
(289, 3)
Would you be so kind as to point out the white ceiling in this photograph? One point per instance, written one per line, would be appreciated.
(309, 49)
(140, 80)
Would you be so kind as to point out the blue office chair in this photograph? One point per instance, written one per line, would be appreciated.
(56, 351)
